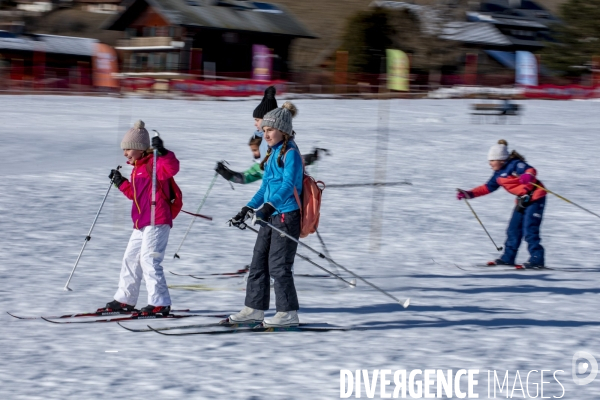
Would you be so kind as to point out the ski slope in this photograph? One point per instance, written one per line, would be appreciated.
(58, 151)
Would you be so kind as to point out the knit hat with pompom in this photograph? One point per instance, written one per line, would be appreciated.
(137, 138)
(281, 118)
(267, 104)
(498, 152)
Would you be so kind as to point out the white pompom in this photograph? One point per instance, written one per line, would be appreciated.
(139, 124)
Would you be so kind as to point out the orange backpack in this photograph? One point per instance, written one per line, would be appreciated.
(310, 205)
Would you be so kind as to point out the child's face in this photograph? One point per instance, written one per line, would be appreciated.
(272, 135)
(255, 149)
(257, 122)
(133, 155)
(496, 164)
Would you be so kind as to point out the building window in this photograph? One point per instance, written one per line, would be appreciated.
(172, 61)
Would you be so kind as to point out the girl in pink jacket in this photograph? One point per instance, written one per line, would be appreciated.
(147, 245)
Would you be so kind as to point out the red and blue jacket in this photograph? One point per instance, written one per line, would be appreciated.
(508, 178)
(139, 189)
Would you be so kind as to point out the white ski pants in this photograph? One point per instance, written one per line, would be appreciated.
(139, 262)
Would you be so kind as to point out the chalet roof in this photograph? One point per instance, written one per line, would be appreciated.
(50, 44)
(479, 33)
(232, 15)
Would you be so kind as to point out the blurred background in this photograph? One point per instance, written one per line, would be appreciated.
(318, 47)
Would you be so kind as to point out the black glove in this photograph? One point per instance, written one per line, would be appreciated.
(239, 219)
(159, 145)
(224, 171)
(116, 177)
(314, 156)
(262, 214)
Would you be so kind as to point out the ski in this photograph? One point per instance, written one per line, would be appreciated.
(259, 329)
(89, 314)
(226, 274)
(224, 323)
(516, 267)
(133, 318)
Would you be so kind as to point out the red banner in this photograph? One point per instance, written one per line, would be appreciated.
(225, 88)
(568, 92)
(137, 83)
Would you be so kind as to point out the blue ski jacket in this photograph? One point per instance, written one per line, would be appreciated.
(278, 182)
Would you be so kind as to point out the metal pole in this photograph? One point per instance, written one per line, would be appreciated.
(89, 235)
(176, 255)
(565, 199)
(351, 283)
(405, 303)
(481, 223)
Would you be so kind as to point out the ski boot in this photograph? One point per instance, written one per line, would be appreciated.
(154, 310)
(248, 315)
(282, 319)
(497, 261)
(529, 265)
(116, 306)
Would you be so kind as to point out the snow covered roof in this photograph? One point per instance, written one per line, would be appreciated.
(50, 44)
(248, 16)
(474, 33)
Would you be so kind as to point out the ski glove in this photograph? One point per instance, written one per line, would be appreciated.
(311, 158)
(526, 179)
(116, 177)
(224, 171)
(262, 214)
(464, 194)
(239, 219)
(159, 145)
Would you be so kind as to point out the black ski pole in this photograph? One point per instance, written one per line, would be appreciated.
(89, 235)
(325, 250)
(481, 223)
(351, 283)
(376, 184)
(404, 303)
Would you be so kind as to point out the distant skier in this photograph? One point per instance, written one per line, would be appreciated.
(259, 147)
(512, 172)
(146, 248)
(275, 203)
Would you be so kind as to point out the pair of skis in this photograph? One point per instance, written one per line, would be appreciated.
(122, 316)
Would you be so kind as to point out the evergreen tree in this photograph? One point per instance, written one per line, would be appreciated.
(577, 38)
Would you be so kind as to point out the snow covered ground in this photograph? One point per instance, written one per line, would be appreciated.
(57, 153)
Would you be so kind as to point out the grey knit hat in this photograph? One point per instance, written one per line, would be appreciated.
(281, 118)
(137, 138)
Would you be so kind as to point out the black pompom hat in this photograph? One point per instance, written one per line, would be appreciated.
(267, 104)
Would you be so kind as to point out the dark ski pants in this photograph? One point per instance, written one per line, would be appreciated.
(525, 224)
(274, 257)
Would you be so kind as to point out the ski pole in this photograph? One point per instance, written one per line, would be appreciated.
(153, 203)
(481, 223)
(89, 235)
(325, 249)
(351, 283)
(404, 302)
(350, 185)
(176, 255)
(565, 199)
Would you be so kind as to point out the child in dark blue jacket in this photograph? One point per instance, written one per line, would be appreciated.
(512, 172)
(276, 204)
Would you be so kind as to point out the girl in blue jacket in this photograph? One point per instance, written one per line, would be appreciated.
(275, 203)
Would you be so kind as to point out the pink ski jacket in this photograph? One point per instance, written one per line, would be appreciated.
(139, 189)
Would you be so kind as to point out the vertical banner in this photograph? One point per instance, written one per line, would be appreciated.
(398, 67)
(105, 66)
(596, 71)
(526, 70)
(196, 61)
(470, 77)
(39, 65)
(262, 62)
